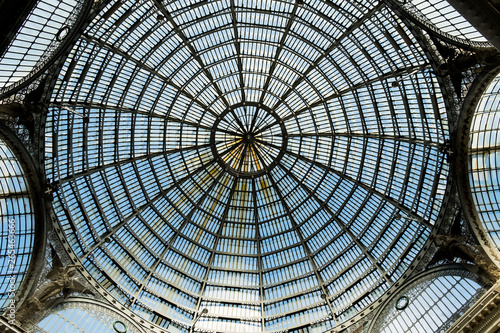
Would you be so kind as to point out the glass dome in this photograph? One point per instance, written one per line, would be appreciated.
(277, 163)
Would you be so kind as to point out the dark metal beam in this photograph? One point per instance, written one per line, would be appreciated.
(218, 237)
(145, 67)
(340, 93)
(304, 245)
(279, 49)
(484, 15)
(258, 240)
(94, 105)
(196, 56)
(381, 137)
(334, 45)
(125, 161)
(140, 209)
(238, 50)
(366, 187)
(174, 237)
(341, 224)
(12, 16)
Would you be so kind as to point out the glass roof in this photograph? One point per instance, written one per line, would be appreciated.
(18, 225)
(484, 160)
(274, 162)
(46, 26)
(431, 305)
(445, 18)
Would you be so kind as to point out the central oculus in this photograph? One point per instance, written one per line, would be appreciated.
(248, 140)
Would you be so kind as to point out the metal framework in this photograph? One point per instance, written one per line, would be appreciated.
(84, 315)
(277, 163)
(440, 18)
(484, 160)
(23, 225)
(18, 225)
(242, 165)
(429, 302)
(43, 37)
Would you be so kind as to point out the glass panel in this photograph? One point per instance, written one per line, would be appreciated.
(18, 225)
(44, 29)
(431, 306)
(273, 162)
(484, 159)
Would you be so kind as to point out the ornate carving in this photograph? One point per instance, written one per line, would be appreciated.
(470, 256)
(463, 67)
(64, 281)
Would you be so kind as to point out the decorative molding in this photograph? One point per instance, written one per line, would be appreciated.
(44, 268)
(9, 328)
(105, 313)
(483, 316)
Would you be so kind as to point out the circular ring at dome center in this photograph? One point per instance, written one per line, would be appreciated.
(248, 140)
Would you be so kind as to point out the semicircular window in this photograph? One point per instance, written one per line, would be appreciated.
(84, 317)
(484, 160)
(18, 225)
(273, 162)
(432, 305)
